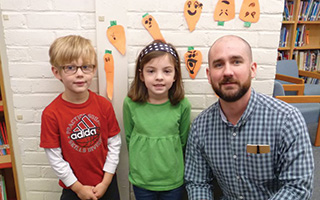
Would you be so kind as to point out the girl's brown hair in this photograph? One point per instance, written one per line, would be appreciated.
(138, 92)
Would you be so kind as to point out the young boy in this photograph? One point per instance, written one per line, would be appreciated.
(79, 130)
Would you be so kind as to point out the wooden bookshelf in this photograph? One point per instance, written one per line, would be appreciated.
(7, 162)
(292, 24)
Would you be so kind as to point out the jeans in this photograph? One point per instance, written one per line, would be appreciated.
(112, 192)
(143, 194)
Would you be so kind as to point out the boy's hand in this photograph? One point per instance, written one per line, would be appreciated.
(102, 187)
(84, 192)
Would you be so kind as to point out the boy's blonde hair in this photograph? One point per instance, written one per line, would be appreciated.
(67, 49)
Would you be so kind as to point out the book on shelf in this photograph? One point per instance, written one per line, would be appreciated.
(302, 35)
(283, 37)
(3, 195)
(300, 10)
(318, 62)
(4, 145)
(303, 10)
(298, 33)
(295, 56)
(283, 55)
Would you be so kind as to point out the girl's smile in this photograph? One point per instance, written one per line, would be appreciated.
(158, 75)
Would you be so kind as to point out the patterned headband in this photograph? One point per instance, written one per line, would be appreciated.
(158, 47)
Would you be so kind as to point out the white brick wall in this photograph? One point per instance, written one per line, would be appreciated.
(32, 26)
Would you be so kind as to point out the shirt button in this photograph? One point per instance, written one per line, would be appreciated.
(234, 134)
(240, 197)
(238, 177)
(235, 156)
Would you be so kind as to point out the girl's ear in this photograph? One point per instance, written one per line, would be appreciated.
(141, 75)
(56, 72)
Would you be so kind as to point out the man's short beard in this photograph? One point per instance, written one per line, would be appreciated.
(233, 97)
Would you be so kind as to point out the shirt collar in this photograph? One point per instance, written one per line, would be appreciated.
(245, 116)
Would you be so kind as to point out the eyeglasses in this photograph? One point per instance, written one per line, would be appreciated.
(72, 69)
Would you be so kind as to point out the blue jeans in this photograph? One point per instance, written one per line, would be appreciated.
(143, 194)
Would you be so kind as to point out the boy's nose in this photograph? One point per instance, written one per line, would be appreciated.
(79, 71)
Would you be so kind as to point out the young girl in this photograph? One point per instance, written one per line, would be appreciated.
(156, 121)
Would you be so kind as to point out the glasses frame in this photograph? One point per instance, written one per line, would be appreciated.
(77, 67)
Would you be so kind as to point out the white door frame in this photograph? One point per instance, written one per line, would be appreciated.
(107, 11)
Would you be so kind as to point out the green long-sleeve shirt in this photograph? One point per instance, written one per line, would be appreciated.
(156, 136)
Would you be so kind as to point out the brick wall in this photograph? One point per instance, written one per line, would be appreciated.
(30, 26)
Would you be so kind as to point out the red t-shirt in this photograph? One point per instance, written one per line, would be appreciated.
(82, 132)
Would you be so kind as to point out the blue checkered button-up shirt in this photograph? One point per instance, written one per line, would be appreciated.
(218, 149)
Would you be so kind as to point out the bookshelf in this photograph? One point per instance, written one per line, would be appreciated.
(7, 162)
(299, 37)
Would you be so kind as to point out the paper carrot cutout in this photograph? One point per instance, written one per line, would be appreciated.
(250, 11)
(117, 37)
(193, 60)
(224, 11)
(109, 70)
(152, 27)
(192, 12)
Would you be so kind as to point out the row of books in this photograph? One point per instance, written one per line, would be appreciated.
(309, 10)
(3, 193)
(308, 60)
(283, 37)
(302, 36)
(4, 145)
(288, 10)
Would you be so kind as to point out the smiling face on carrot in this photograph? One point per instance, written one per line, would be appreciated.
(192, 12)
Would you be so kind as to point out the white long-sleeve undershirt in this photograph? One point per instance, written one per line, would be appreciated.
(63, 170)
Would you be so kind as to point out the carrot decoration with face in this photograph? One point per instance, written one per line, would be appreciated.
(152, 27)
(224, 11)
(193, 60)
(192, 12)
(250, 11)
(117, 37)
(109, 70)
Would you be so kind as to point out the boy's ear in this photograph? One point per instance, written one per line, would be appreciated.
(56, 72)
(95, 70)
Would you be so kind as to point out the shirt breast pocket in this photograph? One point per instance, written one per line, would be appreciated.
(259, 167)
